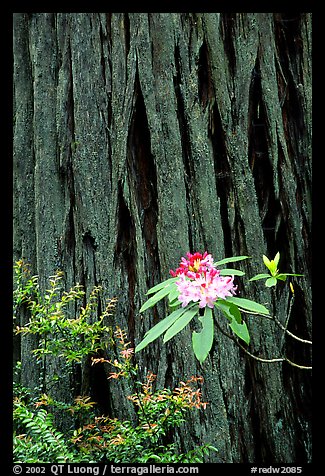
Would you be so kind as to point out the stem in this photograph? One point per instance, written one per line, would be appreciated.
(134, 381)
(284, 328)
(296, 365)
(260, 359)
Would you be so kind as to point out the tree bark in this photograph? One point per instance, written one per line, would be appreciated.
(140, 136)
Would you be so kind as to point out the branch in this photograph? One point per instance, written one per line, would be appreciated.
(279, 324)
(260, 359)
(305, 341)
(296, 365)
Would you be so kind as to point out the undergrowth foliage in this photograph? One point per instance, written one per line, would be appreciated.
(93, 437)
(69, 326)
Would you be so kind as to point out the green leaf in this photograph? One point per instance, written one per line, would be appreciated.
(230, 260)
(281, 275)
(266, 261)
(231, 272)
(157, 297)
(174, 303)
(181, 322)
(271, 282)
(260, 276)
(240, 330)
(248, 305)
(233, 314)
(163, 284)
(229, 309)
(173, 294)
(159, 328)
(202, 341)
(277, 258)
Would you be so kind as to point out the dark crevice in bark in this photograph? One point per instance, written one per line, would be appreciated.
(260, 164)
(298, 385)
(262, 450)
(106, 63)
(205, 84)
(289, 45)
(293, 129)
(228, 33)
(109, 26)
(103, 41)
(222, 174)
(252, 389)
(185, 141)
(125, 254)
(68, 240)
(284, 230)
(126, 23)
(99, 388)
(88, 265)
(295, 350)
(142, 173)
(71, 104)
(288, 33)
(239, 237)
(89, 241)
(169, 381)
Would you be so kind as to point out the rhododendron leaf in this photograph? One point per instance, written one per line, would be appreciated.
(174, 293)
(175, 303)
(163, 284)
(229, 309)
(230, 260)
(260, 276)
(231, 272)
(271, 282)
(248, 305)
(181, 322)
(240, 330)
(157, 297)
(233, 314)
(160, 328)
(202, 341)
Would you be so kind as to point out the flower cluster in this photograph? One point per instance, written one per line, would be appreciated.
(200, 281)
(194, 265)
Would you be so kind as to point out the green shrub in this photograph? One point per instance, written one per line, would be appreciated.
(59, 333)
(94, 438)
(42, 442)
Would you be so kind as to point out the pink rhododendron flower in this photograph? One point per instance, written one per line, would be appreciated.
(200, 281)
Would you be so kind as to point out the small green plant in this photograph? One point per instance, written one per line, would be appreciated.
(274, 275)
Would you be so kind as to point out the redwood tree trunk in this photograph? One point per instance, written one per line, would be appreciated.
(140, 136)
